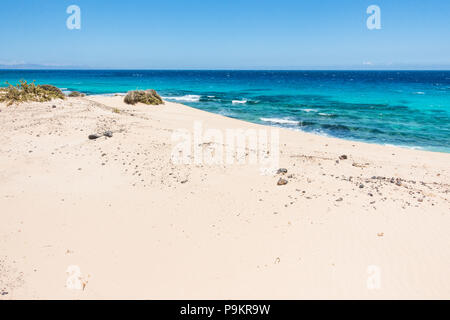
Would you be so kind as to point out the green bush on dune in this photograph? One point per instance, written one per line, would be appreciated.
(25, 92)
(76, 94)
(146, 97)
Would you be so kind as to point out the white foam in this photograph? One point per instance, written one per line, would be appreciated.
(280, 121)
(419, 92)
(239, 101)
(188, 98)
(325, 114)
(403, 146)
(309, 110)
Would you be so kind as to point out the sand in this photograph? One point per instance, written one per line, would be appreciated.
(116, 218)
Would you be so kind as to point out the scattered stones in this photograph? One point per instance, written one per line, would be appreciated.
(93, 136)
(359, 165)
(361, 186)
(107, 134)
(282, 171)
(184, 181)
(339, 199)
(282, 182)
(343, 157)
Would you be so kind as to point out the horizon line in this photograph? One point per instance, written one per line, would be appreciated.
(206, 69)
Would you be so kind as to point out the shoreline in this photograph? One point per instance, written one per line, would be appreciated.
(264, 123)
(356, 106)
(140, 227)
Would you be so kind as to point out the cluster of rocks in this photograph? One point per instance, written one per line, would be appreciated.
(282, 181)
(107, 134)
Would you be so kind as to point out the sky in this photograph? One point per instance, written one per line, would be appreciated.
(226, 34)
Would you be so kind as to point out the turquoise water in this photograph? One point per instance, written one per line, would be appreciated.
(405, 108)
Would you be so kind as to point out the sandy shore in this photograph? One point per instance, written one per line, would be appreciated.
(138, 226)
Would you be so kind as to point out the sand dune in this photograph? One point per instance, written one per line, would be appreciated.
(374, 225)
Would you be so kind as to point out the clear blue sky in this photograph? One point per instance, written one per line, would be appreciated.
(226, 34)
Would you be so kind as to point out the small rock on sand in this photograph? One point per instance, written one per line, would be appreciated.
(282, 182)
(343, 157)
(282, 170)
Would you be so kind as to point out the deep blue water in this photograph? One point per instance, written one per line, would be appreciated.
(405, 108)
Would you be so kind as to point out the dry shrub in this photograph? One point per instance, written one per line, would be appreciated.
(24, 92)
(146, 97)
(76, 94)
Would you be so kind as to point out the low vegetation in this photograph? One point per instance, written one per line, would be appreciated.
(25, 92)
(143, 96)
(76, 94)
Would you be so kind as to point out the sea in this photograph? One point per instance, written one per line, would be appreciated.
(410, 109)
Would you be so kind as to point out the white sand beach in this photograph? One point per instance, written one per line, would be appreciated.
(372, 226)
